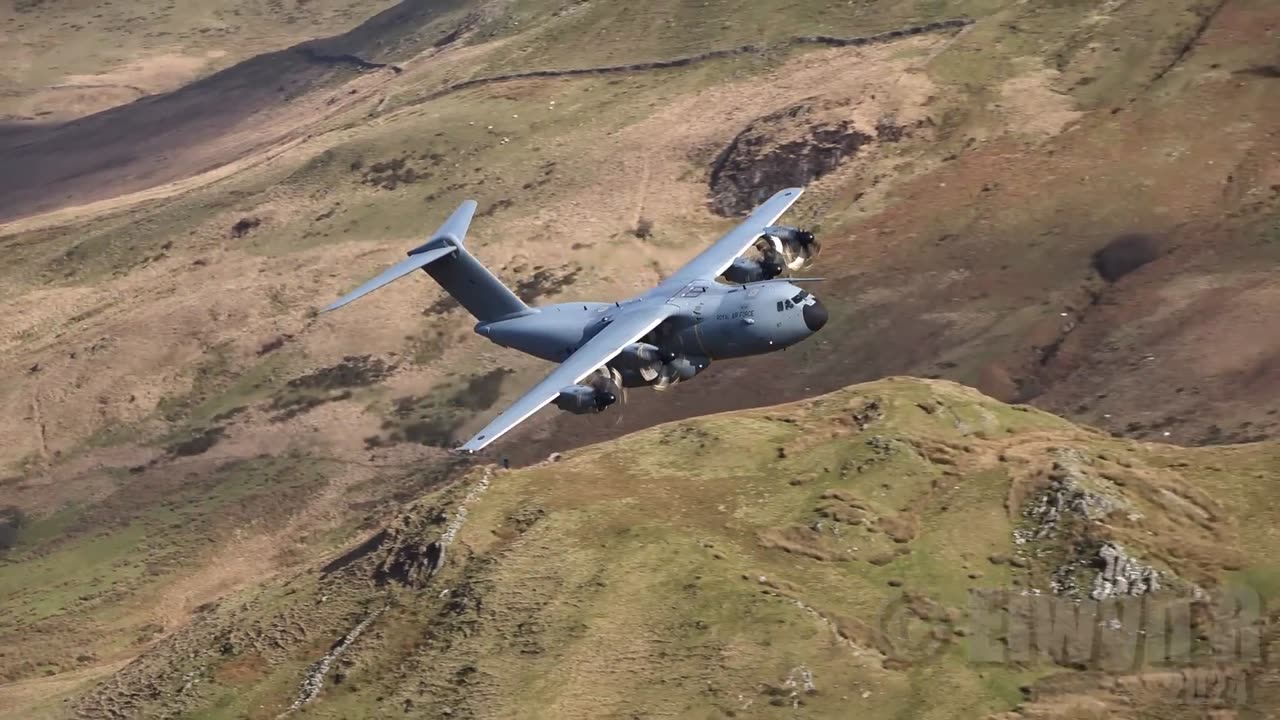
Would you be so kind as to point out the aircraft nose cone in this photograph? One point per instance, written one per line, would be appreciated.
(815, 316)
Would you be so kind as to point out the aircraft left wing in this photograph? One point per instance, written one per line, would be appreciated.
(716, 259)
(628, 325)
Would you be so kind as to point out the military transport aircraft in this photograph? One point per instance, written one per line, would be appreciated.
(658, 338)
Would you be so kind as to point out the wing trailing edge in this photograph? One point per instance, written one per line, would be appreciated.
(627, 326)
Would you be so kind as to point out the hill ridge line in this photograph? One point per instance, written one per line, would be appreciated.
(685, 60)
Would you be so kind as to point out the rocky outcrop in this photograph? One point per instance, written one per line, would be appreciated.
(1122, 575)
(1066, 499)
(755, 163)
(412, 548)
(1067, 520)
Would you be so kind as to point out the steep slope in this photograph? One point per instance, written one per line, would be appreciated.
(69, 60)
(1070, 204)
(961, 232)
(825, 558)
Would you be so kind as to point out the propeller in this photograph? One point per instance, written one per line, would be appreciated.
(608, 382)
(649, 362)
(787, 248)
(677, 370)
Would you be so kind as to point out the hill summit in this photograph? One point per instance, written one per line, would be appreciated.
(865, 552)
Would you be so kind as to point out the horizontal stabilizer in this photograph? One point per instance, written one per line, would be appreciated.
(447, 240)
(395, 272)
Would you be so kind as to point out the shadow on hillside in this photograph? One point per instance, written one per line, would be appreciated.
(164, 137)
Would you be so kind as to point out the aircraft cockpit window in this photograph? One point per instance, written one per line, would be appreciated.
(780, 306)
(800, 296)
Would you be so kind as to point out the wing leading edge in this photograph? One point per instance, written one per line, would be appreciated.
(627, 327)
(717, 258)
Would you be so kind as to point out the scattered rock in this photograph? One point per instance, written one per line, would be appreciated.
(870, 412)
(880, 444)
(1121, 575)
(1067, 496)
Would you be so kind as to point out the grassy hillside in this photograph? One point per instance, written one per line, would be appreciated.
(66, 60)
(1070, 204)
(807, 559)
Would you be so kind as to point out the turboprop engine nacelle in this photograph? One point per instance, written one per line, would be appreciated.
(680, 369)
(745, 270)
(778, 249)
(638, 356)
(584, 399)
(792, 247)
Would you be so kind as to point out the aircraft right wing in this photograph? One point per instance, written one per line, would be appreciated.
(714, 260)
(629, 324)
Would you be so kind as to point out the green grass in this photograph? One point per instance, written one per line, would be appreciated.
(41, 587)
(49, 527)
(638, 590)
(643, 575)
(85, 568)
(609, 33)
(63, 41)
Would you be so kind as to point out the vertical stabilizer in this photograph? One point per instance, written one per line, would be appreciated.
(463, 277)
(446, 260)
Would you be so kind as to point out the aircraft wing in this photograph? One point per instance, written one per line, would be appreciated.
(628, 325)
(716, 259)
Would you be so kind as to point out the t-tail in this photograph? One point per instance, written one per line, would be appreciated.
(447, 261)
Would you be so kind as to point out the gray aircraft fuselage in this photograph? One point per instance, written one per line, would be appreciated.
(716, 321)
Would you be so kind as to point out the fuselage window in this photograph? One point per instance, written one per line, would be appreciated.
(779, 306)
(789, 305)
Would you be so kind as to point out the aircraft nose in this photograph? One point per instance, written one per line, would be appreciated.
(815, 315)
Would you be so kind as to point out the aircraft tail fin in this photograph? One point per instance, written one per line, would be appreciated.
(447, 261)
